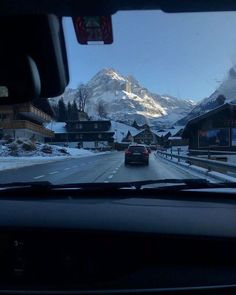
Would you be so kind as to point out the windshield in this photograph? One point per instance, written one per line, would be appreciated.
(157, 103)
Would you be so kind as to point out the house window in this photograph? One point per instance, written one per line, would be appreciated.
(99, 136)
(4, 117)
(79, 136)
(96, 126)
(79, 126)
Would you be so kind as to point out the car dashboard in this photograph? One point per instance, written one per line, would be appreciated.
(117, 245)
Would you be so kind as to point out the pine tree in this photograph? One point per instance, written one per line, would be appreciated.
(56, 111)
(62, 111)
(74, 115)
(135, 125)
(69, 112)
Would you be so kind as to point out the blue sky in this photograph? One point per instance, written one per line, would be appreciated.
(184, 55)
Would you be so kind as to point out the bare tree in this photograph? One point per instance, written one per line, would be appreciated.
(101, 109)
(82, 94)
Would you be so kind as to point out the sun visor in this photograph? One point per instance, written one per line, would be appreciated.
(40, 37)
(19, 79)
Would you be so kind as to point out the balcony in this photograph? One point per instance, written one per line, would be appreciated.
(22, 124)
(30, 111)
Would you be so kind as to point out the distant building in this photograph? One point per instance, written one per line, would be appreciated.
(176, 141)
(151, 136)
(26, 120)
(215, 130)
(146, 136)
(84, 134)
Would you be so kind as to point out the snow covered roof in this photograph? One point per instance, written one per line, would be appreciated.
(162, 133)
(173, 131)
(174, 137)
(57, 127)
(121, 130)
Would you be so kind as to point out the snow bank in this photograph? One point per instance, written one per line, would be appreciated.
(27, 148)
(23, 152)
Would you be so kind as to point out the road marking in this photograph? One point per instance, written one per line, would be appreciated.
(67, 168)
(54, 172)
(75, 166)
(114, 171)
(40, 176)
(111, 176)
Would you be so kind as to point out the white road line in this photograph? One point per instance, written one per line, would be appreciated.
(54, 172)
(111, 176)
(40, 176)
(75, 166)
(67, 168)
(114, 171)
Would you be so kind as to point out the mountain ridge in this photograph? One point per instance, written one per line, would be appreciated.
(126, 100)
(225, 93)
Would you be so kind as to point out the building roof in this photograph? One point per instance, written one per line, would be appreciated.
(89, 121)
(57, 127)
(172, 131)
(121, 130)
(161, 133)
(210, 113)
(206, 115)
(174, 138)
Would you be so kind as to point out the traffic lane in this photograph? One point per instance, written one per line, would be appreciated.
(94, 171)
(100, 168)
(157, 169)
(57, 172)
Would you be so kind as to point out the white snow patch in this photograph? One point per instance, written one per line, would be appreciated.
(57, 127)
(37, 156)
(121, 130)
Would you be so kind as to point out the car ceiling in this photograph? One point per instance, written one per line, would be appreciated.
(108, 7)
(33, 59)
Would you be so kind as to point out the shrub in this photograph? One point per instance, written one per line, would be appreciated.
(63, 151)
(19, 141)
(8, 138)
(13, 147)
(47, 149)
(28, 146)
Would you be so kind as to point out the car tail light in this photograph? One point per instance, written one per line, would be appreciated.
(145, 152)
(127, 152)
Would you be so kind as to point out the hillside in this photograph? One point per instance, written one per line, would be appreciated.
(124, 99)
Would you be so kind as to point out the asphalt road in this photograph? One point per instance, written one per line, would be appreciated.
(99, 168)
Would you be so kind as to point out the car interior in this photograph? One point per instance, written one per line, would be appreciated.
(115, 238)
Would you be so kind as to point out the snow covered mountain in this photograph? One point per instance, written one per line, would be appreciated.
(225, 93)
(124, 99)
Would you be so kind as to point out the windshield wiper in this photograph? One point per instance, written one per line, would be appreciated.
(173, 184)
(189, 183)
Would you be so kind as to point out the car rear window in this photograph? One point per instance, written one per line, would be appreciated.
(136, 148)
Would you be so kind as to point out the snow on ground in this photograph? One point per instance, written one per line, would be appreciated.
(57, 127)
(13, 155)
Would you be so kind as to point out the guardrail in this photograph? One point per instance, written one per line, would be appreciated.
(206, 163)
(212, 152)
